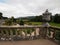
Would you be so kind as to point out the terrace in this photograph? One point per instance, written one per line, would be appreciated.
(16, 35)
(30, 34)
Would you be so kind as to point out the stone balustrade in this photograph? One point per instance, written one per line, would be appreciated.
(22, 33)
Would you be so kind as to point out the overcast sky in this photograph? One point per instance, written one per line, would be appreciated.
(21, 8)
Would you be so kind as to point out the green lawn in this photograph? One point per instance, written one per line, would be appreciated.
(36, 23)
(55, 24)
(51, 23)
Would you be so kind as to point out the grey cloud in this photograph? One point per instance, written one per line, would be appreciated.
(32, 7)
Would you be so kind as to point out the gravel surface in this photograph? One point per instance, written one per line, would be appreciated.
(29, 42)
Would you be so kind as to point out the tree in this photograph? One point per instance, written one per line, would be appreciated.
(57, 18)
(37, 19)
(8, 22)
(1, 15)
(12, 19)
(21, 22)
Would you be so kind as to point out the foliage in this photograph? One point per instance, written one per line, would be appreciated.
(13, 19)
(57, 18)
(10, 21)
(37, 19)
(21, 22)
(1, 15)
(57, 36)
(28, 30)
(17, 21)
(14, 31)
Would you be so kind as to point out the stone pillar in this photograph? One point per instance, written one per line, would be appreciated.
(46, 18)
(44, 32)
(48, 31)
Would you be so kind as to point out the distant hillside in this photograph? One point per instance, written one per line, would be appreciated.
(28, 17)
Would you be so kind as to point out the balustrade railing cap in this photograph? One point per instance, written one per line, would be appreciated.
(19, 26)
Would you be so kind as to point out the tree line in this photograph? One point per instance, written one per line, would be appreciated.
(55, 18)
(12, 20)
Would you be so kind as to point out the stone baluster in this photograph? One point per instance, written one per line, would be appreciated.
(51, 33)
(30, 34)
(48, 33)
(20, 33)
(2, 35)
(2, 32)
(25, 33)
(54, 31)
(16, 32)
(7, 34)
(11, 35)
(35, 33)
(39, 32)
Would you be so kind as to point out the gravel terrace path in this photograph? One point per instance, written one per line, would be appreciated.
(29, 42)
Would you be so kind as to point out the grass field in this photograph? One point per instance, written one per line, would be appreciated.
(51, 23)
(55, 24)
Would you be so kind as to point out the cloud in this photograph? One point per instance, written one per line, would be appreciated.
(23, 8)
